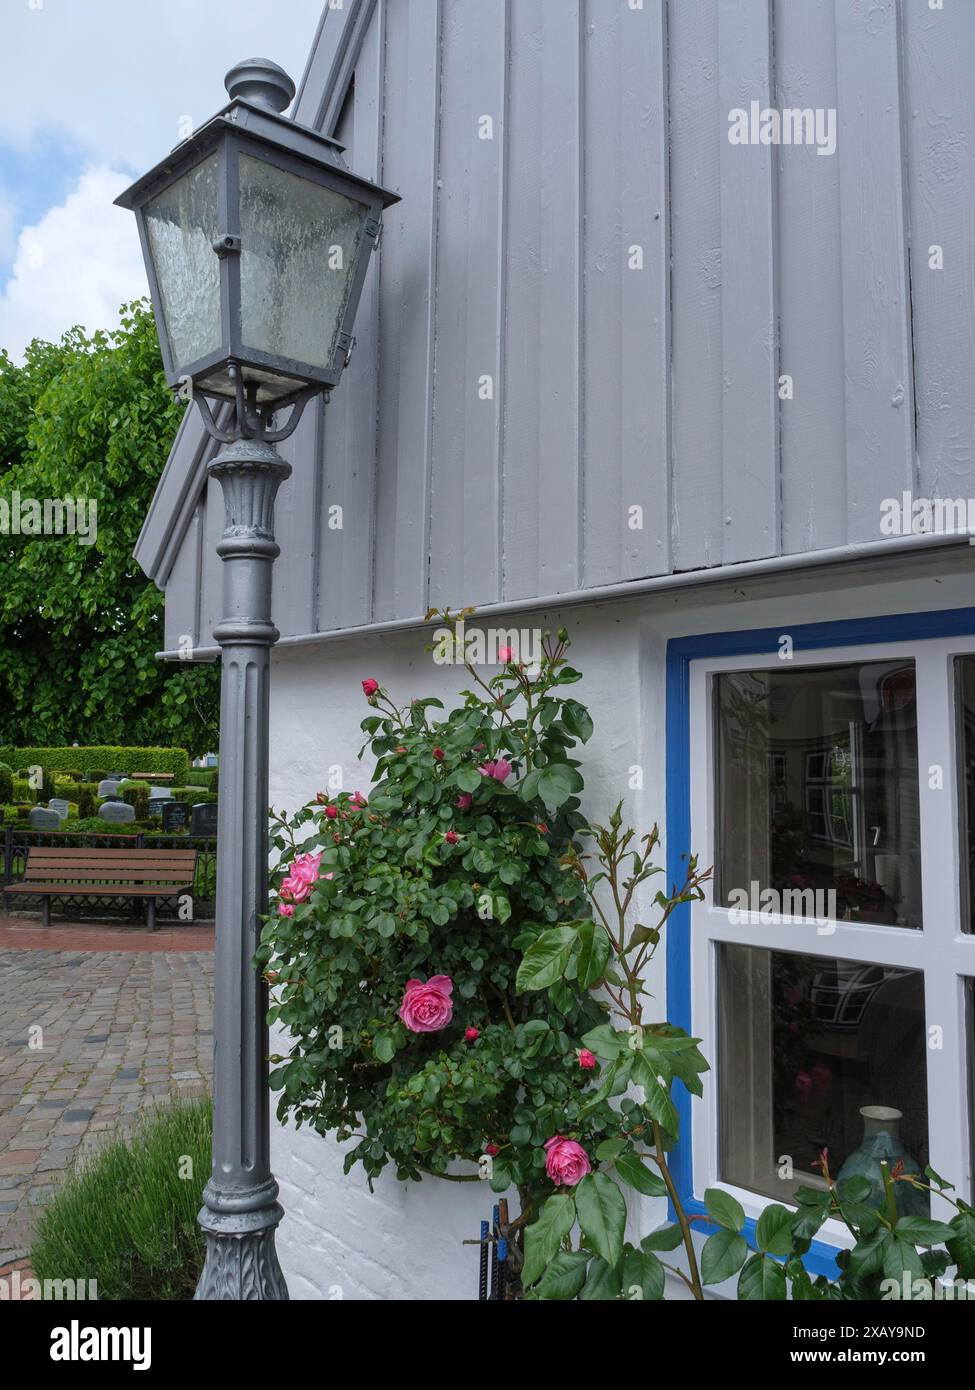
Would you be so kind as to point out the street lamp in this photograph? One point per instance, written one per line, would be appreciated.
(256, 239)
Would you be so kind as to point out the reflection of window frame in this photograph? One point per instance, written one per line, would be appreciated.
(827, 785)
(940, 951)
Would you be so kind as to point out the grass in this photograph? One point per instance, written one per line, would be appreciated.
(128, 1218)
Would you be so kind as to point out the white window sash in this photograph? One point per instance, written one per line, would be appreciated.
(941, 951)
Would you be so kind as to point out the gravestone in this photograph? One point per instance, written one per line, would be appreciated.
(116, 776)
(204, 818)
(57, 803)
(44, 820)
(160, 794)
(117, 812)
(156, 804)
(175, 815)
(109, 787)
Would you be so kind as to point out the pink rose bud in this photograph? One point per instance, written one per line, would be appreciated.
(504, 655)
(499, 769)
(471, 1035)
(438, 753)
(331, 812)
(451, 837)
(464, 801)
(426, 1007)
(370, 687)
(586, 1059)
(492, 1149)
(566, 1162)
(542, 828)
(359, 800)
(286, 909)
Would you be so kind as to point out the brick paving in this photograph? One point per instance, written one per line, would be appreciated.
(96, 1024)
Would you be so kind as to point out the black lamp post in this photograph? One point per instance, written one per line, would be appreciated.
(256, 239)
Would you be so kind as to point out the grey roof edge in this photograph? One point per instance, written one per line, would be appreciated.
(321, 94)
(862, 556)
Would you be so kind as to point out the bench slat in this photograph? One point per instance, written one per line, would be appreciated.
(95, 890)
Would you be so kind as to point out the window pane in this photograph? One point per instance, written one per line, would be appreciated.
(818, 792)
(807, 1045)
(965, 688)
(181, 223)
(299, 246)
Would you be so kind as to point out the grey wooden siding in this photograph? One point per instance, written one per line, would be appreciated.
(590, 310)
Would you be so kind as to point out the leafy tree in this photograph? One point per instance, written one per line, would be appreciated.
(90, 417)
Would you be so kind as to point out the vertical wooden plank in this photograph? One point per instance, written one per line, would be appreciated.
(182, 611)
(406, 330)
(627, 293)
(813, 422)
(211, 597)
(296, 531)
(697, 127)
(346, 428)
(877, 353)
(940, 62)
(543, 350)
(465, 480)
(749, 396)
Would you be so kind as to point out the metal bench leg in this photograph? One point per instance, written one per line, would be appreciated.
(152, 914)
(46, 911)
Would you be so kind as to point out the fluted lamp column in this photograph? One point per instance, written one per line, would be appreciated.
(256, 237)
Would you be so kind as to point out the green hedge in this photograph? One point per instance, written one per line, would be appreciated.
(174, 760)
(202, 777)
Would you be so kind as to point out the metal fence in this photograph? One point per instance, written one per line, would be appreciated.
(17, 843)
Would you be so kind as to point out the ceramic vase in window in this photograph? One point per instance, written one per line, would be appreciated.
(881, 1140)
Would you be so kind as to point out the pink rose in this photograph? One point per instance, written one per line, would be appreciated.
(426, 1008)
(500, 769)
(492, 1149)
(566, 1162)
(504, 655)
(359, 800)
(471, 1034)
(464, 801)
(439, 754)
(586, 1059)
(451, 837)
(293, 890)
(332, 812)
(370, 687)
(286, 909)
(305, 868)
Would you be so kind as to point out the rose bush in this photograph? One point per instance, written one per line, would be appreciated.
(400, 923)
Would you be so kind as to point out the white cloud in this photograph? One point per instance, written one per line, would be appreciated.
(77, 265)
(117, 77)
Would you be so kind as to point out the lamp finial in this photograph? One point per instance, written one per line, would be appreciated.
(260, 82)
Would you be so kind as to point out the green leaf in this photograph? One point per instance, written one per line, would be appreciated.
(609, 1149)
(383, 1047)
(900, 1257)
(606, 1043)
(723, 1209)
(636, 1174)
(577, 721)
(761, 1280)
(543, 1237)
(961, 1247)
(564, 1276)
(657, 1098)
(920, 1231)
(468, 779)
(723, 1255)
(593, 955)
(601, 1210)
(602, 1283)
(545, 961)
(556, 783)
(666, 1238)
(773, 1231)
(643, 1276)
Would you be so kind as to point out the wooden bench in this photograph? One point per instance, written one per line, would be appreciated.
(144, 875)
(152, 777)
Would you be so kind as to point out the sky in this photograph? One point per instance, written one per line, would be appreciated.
(94, 92)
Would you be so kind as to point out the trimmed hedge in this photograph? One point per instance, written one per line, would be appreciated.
(202, 777)
(174, 760)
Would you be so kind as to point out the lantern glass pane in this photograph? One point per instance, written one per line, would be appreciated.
(181, 223)
(300, 243)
